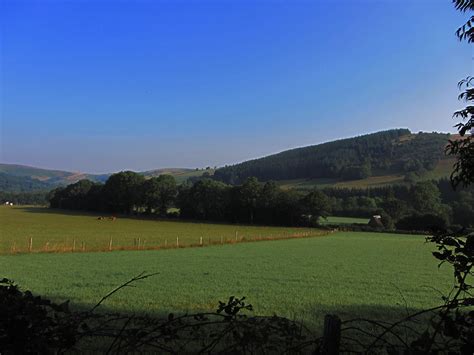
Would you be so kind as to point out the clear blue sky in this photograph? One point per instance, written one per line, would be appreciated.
(105, 86)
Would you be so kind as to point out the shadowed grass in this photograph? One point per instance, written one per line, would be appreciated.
(349, 273)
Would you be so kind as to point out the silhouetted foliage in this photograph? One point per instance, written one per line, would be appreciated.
(422, 222)
(123, 192)
(159, 193)
(32, 324)
(463, 148)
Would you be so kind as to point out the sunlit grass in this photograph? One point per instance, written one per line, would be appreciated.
(54, 230)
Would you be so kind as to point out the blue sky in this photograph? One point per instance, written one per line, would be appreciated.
(101, 86)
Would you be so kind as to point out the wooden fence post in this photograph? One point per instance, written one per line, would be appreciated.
(110, 244)
(331, 335)
(138, 244)
(30, 245)
(200, 241)
(73, 245)
(177, 242)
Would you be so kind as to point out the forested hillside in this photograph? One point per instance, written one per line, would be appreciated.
(10, 183)
(396, 151)
(23, 190)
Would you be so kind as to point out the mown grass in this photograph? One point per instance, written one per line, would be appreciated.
(352, 274)
(55, 230)
(335, 220)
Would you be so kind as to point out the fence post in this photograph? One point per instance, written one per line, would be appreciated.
(177, 242)
(331, 335)
(200, 241)
(138, 244)
(30, 245)
(110, 244)
(73, 245)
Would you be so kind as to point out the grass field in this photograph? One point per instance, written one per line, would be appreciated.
(343, 220)
(352, 274)
(54, 230)
(443, 169)
(349, 273)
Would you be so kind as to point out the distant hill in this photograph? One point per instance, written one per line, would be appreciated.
(387, 157)
(52, 177)
(10, 183)
(384, 157)
(180, 174)
(21, 178)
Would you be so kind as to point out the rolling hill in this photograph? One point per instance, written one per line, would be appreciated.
(377, 159)
(22, 178)
(386, 157)
(51, 177)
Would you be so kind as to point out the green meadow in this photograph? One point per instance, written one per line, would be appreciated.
(352, 274)
(59, 230)
(335, 220)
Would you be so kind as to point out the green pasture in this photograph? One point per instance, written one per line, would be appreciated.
(334, 220)
(375, 275)
(309, 184)
(58, 230)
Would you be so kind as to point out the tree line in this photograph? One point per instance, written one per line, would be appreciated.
(402, 203)
(38, 198)
(253, 202)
